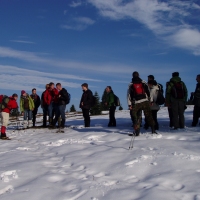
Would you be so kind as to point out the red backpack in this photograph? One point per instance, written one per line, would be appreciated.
(138, 89)
(178, 91)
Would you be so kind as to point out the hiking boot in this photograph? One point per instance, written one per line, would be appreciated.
(5, 137)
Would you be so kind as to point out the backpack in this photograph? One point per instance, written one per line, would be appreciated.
(160, 98)
(178, 91)
(137, 91)
(116, 100)
(3, 101)
(94, 101)
(67, 101)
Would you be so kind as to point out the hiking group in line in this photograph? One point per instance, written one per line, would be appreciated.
(141, 96)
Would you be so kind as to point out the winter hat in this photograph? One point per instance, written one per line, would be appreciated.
(175, 74)
(23, 92)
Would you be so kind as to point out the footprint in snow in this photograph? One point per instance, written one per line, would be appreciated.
(6, 176)
(170, 185)
(7, 189)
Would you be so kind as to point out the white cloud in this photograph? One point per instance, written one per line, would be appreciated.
(15, 78)
(22, 41)
(79, 24)
(75, 4)
(164, 18)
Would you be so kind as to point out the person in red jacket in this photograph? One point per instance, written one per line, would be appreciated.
(12, 104)
(50, 97)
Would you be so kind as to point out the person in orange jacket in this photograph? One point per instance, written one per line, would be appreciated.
(12, 104)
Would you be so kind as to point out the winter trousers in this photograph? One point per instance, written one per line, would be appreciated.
(34, 113)
(154, 115)
(170, 117)
(86, 115)
(28, 114)
(137, 109)
(178, 108)
(4, 123)
(112, 121)
(60, 111)
(45, 113)
(196, 115)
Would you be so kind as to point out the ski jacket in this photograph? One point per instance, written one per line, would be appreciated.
(31, 105)
(130, 94)
(12, 104)
(196, 96)
(169, 98)
(110, 99)
(36, 100)
(50, 96)
(86, 99)
(153, 95)
(62, 97)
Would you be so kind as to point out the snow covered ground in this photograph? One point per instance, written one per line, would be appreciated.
(95, 163)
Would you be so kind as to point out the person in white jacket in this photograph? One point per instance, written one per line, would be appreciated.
(153, 86)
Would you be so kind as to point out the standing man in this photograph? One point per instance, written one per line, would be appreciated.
(50, 96)
(110, 102)
(12, 104)
(36, 100)
(63, 99)
(44, 107)
(195, 97)
(169, 109)
(176, 97)
(140, 96)
(85, 103)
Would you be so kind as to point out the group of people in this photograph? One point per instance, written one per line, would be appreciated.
(141, 96)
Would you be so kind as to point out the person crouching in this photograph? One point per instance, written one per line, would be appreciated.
(12, 104)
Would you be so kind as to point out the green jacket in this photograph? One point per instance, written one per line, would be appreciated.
(30, 101)
(110, 99)
(169, 97)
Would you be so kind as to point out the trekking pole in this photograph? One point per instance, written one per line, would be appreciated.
(132, 141)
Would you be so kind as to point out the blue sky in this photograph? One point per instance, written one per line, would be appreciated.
(100, 42)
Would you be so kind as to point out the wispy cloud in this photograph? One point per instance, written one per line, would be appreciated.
(79, 24)
(15, 78)
(22, 41)
(75, 4)
(33, 57)
(166, 19)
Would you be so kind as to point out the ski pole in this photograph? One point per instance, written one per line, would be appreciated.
(132, 141)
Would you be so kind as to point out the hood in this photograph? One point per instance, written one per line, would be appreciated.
(175, 79)
(136, 80)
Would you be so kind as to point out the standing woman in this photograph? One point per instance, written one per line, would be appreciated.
(110, 102)
(26, 108)
(153, 86)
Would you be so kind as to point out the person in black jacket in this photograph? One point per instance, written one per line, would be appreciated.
(62, 102)
(195, 98)
(36, 100)
(86, 103)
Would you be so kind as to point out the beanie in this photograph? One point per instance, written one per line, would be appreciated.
(174, 74)
(14, 95)
(23, 92)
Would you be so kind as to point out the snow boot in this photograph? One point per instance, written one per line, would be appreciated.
(25, 124)
(4, 137)
(30, 123)
(153, 130)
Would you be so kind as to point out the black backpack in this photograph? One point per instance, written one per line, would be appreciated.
(3, 101)
(116, 100)
(68, 99)
(160, 98)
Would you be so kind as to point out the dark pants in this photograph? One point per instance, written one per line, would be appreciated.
(170, 117)
(154, 115)
(45, 113)
(196, 115)
(137, 109)
(59, 111)
(112, 121)
(34, 113)
(178, 108)
(86, 115)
